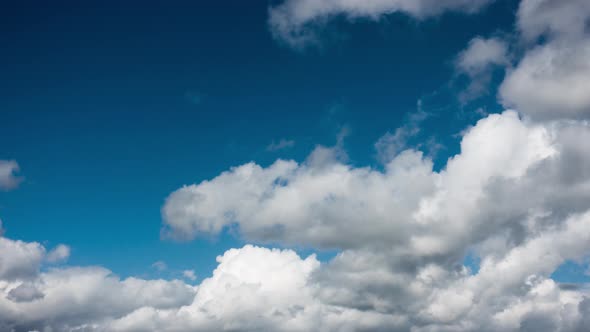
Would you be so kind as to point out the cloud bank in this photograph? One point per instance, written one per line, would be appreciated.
(515, 198)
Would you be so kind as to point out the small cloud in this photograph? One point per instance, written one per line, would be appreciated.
(391, 144)
(280, 145)
(8, 179)
(477, 62)
(160, 266)
(189, 274)
(58, 254)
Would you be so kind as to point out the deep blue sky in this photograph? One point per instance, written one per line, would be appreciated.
(109, 106)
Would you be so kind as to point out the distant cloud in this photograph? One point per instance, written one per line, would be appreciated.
(58, 254)
(189, 274)
(296, 22)
(280, 145)
(478, 61)
(8, 179)
(160, 266)
(391, 144)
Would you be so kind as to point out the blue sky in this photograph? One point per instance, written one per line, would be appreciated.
(111, 108)
(99, 110)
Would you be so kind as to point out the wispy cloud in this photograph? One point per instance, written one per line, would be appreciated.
(296, 22)
(160, 266)
(280, 145)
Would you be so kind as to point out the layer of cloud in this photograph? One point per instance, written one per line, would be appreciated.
(81, 299)
(8, 178)
(512, 196)
(295, 22)
(307, 204)
(515, 198)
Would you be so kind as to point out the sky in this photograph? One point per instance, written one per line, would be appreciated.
(343, 165)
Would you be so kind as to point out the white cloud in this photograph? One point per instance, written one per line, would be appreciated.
(558, 19)
(73, 299)
(516, 197)
(19, 259)
(550, 81)
(478, 61)
(58, 254)
(308, 204)
(295, 21)
(8, 179)
(189, 274)
(482, 53)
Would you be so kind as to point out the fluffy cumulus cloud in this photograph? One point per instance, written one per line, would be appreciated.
(295, 21)
(19, 259)
(515, 197)
(35, 296)
(8, 179)
(551, 80)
